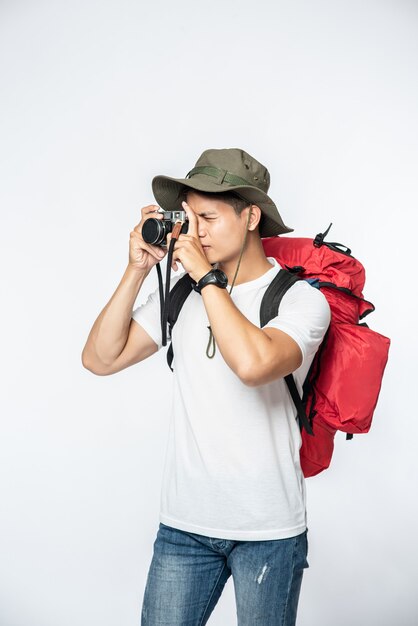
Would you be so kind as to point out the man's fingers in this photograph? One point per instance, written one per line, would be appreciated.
(155, 251)
(146, 212)
(151, 208)
(192, 229)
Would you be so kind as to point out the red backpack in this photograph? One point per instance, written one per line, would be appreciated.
(342, 386)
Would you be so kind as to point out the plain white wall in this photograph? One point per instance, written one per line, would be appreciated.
(97, 97)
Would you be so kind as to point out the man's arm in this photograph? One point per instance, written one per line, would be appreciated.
(258, 356)
(115, 340)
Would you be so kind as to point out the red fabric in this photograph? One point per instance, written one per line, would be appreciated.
(350, 377)
(316, 451)
(327, 265)
(354, 357)
(335, 267)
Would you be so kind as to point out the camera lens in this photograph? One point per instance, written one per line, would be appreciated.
(153, 231)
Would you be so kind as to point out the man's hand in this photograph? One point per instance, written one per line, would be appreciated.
(143, 256)
(188, 249)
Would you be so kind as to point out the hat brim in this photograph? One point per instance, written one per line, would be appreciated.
(167, 192)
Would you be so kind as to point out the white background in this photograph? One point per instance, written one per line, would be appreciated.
(97, 97)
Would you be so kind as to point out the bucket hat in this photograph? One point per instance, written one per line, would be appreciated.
(221, 170)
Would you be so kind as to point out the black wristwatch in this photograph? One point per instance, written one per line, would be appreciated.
(213, 277)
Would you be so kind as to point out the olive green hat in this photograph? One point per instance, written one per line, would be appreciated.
(218, 171)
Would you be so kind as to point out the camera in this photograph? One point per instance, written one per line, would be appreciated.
(155, 231)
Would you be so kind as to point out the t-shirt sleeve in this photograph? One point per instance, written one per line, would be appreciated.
(148, 315)
(304, 314)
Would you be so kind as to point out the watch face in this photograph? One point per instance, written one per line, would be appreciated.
(222, 278)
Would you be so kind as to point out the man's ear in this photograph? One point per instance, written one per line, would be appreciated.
(255, 217)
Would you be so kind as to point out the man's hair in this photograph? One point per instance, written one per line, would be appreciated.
(229, 197)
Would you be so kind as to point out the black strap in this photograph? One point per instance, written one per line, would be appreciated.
(161, 292)
(332, 245)
(178, 296)
(270, 303)
(274, 293)
(347, 291)
(303, 420)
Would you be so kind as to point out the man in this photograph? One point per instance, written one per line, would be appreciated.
(233, 493)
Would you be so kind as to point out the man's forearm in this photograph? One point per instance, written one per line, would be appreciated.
(242, 344)
(109, 333)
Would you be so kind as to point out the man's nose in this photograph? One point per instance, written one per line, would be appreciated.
(201, 228)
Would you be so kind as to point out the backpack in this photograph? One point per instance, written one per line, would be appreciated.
(341, 389)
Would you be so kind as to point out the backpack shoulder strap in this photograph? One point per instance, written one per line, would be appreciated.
(178, 296)
(268, 310)
(274, 293)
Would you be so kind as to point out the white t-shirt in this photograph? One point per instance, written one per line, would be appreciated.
(232, 467)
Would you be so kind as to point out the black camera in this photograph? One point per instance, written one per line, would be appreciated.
(155, 231)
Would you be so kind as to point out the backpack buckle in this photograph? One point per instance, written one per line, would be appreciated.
(319, 239)
(295, 269)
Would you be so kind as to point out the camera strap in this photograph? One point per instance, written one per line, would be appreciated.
(165, 299)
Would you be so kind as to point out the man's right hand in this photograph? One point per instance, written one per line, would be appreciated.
(143, 256)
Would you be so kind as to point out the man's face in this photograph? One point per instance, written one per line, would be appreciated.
(221, 231)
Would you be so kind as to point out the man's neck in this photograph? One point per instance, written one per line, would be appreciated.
(253, 264)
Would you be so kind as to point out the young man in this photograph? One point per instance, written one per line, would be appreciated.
(233, 493)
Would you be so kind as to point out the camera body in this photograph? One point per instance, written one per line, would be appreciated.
(155, 231)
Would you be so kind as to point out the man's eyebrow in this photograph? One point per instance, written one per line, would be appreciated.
(206, 213)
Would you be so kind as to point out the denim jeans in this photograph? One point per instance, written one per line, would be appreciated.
(188, 573)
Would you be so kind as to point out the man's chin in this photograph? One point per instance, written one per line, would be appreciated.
(211, 255)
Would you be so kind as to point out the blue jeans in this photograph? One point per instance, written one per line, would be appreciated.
(188, 573)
